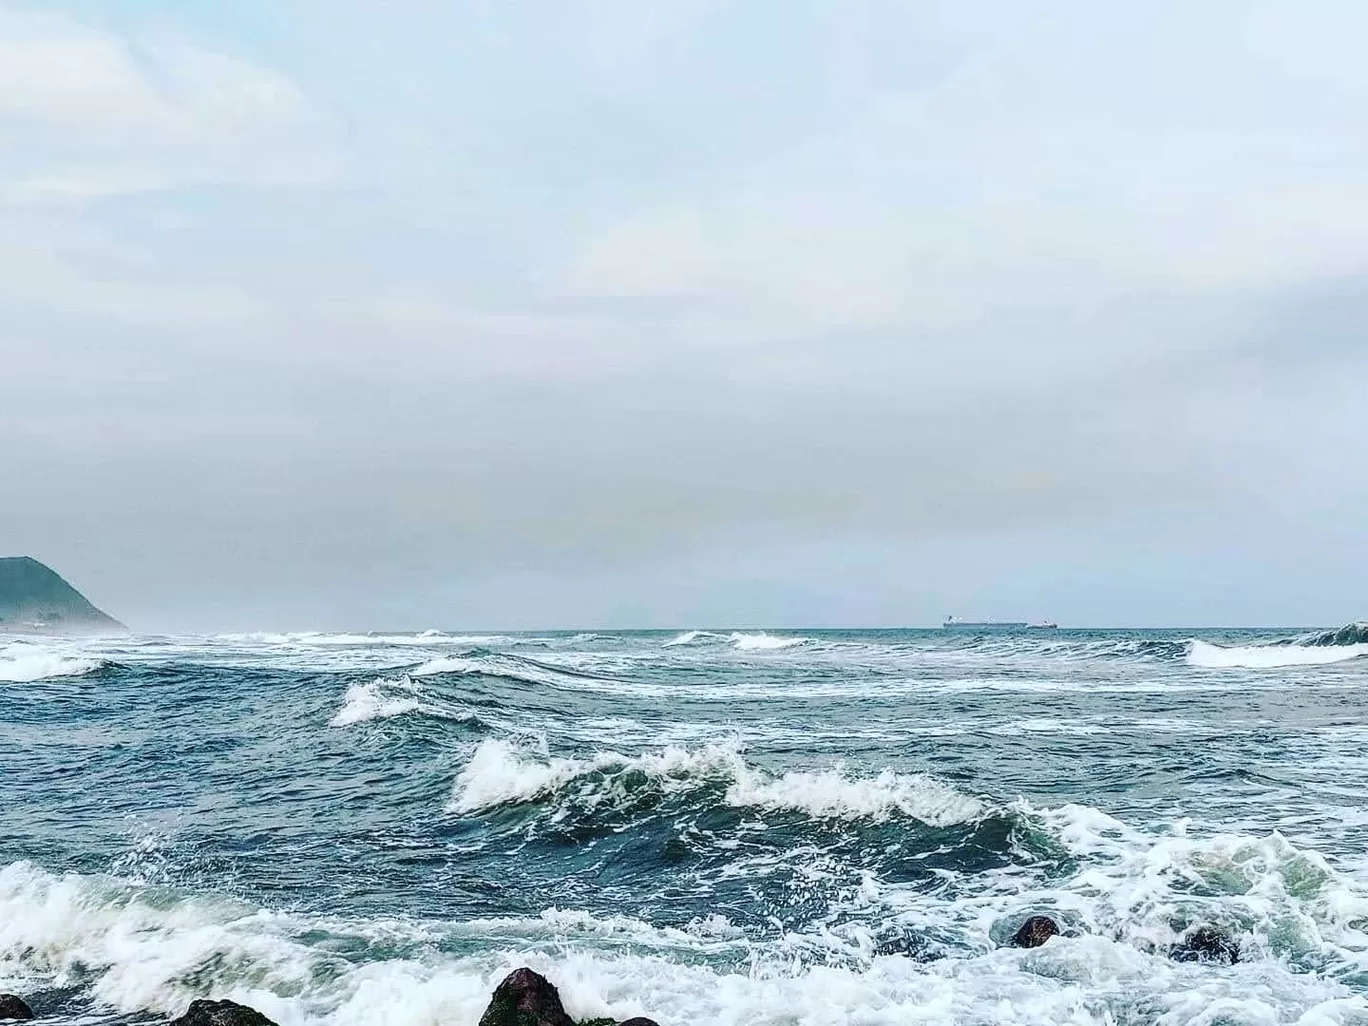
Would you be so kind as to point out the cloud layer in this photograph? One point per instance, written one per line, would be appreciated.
(690, 314)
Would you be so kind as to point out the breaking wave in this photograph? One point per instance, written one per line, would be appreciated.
(373, 701)
(24, 664)
(763, 642)
(140, 950)
(498, 774)
(759, 641)
(387, 697)
(1349, 634)
(1264, 657)
(691, 637)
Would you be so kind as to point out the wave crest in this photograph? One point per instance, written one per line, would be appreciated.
(497, 774)
(372, 701)
(763, 642)
(1349, 634)
(24, 664)
(1266, 657)
(690, 638)
(742, 641)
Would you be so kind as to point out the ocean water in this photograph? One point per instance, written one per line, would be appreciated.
(731, 827)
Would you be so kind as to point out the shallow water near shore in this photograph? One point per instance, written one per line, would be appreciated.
(704, 826)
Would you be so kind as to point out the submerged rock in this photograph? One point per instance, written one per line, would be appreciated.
(1207, 944)
(12, 1007)
(1035, 932)
(221, 1013)
(525, 998)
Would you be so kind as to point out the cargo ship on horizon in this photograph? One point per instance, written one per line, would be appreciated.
(955, 623)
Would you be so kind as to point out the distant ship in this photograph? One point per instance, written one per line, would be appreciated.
(955, 623)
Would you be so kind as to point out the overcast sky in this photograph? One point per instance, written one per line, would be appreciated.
(330, 313)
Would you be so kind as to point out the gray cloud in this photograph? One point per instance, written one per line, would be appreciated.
(612, 324)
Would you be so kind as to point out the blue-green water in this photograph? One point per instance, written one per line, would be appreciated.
(712, 827)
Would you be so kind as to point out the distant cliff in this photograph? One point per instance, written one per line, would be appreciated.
(35, 598)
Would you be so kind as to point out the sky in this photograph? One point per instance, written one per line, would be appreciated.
(598, 313)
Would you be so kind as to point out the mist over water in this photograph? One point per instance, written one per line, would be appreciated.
(708, 826)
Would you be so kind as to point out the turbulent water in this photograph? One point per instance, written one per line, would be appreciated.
(709, 827)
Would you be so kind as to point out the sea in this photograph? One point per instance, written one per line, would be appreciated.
(708, 826)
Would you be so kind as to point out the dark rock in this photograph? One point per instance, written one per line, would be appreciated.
(639, 1021)
(525, 998)
(221, 1013)
(1207, 944)
(12, 1007)
(1035, 932)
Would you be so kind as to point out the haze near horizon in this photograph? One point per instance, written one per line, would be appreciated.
(619, 315)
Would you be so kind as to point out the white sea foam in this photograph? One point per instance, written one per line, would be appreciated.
(1282, 900)
(689, 638)
(448, 664)
(375, 700)
(763, 642)
(388, 697)
(140, 950)
(741, 641)
(24, 663)
(499, 774)
(1209, 656)
(837, 794)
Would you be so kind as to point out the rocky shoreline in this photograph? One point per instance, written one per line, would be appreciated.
(527, 998)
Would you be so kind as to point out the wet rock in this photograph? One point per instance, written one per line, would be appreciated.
(639, 1021)
(12, 1007)
(1207, 944)
(525, 998)
(221, 1013)
(1035, 932)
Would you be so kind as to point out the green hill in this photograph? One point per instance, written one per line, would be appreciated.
(34, 597)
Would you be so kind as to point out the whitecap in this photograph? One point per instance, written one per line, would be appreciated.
(763, 642)
(838, 794)
(1262, 657)
(374, 701)
(25, 663)
(688, 638)
(148, 950)
(499, 774)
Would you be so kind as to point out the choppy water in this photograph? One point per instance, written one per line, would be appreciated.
(714, 827)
